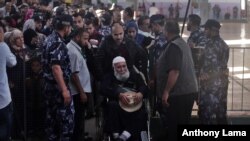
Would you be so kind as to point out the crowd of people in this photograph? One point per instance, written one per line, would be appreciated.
(62, 58)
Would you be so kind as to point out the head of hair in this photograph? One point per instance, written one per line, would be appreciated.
(116, 24)
(141, 19)
(129, 11)
(172, 27)
(78, 32)
(28, 35)
(14, 34)
(195, 19)
(158, 19)
(77, 14)
(106, 19)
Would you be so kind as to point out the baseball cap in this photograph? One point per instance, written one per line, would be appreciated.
(211, 23)
(37, 18)
(64, 19)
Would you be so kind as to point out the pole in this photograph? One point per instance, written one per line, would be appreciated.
(185, 18)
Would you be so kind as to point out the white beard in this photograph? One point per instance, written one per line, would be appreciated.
(122, 77)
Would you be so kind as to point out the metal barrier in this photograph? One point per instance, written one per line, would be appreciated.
(239, 77)
(239, 80)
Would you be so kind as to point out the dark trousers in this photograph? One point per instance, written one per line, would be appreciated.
(5, 122)
(78, 134)
(178, 112)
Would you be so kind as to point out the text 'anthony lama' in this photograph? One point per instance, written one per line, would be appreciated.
(215, 134)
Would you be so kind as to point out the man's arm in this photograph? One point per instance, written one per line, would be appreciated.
(11, 58)
(171, 80)
(58, 74)
(77, 83)
(174, 58)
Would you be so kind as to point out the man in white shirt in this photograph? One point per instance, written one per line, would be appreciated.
(153, 10)
(80, 83)
(6, 59)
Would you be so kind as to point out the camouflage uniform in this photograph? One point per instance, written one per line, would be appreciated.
(199, 39)
(213, 94)
(59, 117)
(155, 51)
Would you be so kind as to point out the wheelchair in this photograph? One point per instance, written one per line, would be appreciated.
(101, 130)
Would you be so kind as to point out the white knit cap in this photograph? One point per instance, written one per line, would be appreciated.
(118, 59)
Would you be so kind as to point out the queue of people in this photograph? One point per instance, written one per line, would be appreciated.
(63, 61)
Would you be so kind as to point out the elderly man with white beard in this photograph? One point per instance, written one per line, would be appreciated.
(125, 114)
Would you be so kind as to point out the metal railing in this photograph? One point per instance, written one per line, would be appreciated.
(239, 77)
(238, 98)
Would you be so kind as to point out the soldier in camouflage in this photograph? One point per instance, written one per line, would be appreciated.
(214, 77)
(56, 68)
(157, 27)
(197, 36)
(196, 41)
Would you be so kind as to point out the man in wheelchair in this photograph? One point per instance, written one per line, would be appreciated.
(125, 115)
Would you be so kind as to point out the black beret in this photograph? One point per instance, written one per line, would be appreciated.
(212, 23)
(157, 18)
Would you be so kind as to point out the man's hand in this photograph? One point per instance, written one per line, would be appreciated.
(123, 97)
(138, 97)
(83, 97)
(66, 97)
(165, 99)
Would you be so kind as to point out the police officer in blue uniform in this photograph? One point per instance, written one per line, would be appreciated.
(56, 72)
(157, 22)
(214, 77)
(157, 25)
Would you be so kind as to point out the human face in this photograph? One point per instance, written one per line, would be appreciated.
(84, 39)
(121, 71)
(145, 25)
(34, 40)
(208, 32)
(68, 30)
(117, 16)
(78, 21)
(38, 25)
(189, 25)
(121, 67)
(19, 40)
(8, 6)
(154, 28)
(90, 28)
(118, 34)
(132, 33)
